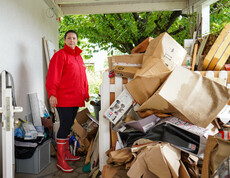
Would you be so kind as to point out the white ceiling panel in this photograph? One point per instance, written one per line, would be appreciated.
(67, 7)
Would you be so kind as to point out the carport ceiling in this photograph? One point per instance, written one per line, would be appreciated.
(67, 7)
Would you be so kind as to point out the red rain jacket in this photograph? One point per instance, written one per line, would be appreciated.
(66, 78)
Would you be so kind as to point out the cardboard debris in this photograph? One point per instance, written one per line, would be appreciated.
(166, 48)
(131, 60)
(161, 86)
(166, 156)
(217, 150)
(142, 46)
(125, 71)
(85, 128)
(120, 157)
(189, 96)
(150, 77)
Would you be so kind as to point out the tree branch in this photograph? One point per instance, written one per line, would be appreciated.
(181, 28)
(172, 19)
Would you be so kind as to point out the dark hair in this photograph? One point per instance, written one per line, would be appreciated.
(70, 31)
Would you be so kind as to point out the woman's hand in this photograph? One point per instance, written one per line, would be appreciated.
(53, 101)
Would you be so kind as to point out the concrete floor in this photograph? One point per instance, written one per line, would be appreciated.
(51, 171)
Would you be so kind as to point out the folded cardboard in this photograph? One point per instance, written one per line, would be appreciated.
(166, 157)
(81, 119)
(216, 151)
(119, 107)
(120, 157)
(166, 48)
(142, 46)
(147, 80)
(131, 60)
(189, 96)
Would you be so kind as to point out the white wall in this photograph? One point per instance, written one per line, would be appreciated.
(23, 23)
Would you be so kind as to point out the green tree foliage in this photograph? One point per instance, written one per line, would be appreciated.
(123, 31)
(220, 15)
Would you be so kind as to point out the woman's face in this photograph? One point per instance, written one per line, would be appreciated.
(71, 40)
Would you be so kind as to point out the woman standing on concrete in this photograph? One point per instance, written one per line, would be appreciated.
(67, 88)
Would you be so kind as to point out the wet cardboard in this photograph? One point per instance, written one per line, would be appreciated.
(189, 96)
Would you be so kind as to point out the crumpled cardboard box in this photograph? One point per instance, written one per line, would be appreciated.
(159, 160)
(147, 80)
(188, 96)
(166, 48)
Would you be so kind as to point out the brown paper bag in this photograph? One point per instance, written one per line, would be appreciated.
(217, 150)
(120, 157)
(189, 96)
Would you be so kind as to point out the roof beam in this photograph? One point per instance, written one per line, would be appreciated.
(122, 8)
(109, 1)
(196, 4)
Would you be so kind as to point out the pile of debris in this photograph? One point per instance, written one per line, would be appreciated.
(170, 120)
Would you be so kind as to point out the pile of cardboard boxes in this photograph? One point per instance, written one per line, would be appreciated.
(170, 121)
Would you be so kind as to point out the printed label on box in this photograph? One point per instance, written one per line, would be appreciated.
(119, 107)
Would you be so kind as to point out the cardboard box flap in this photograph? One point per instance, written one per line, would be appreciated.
(128, 59)
(216, 151)
(79, 130)
(142, 88)
(82, 116)
(196, 98)
(147, 80)
(152, 66)
(172, 156)
(160, 169)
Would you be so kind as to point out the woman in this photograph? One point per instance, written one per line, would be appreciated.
(67, 88)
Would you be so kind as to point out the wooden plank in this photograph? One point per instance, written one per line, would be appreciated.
(215, 46)
(124, 80)
(219, 52)
(223, 59)
(112, 97)
(194, 56)
(104, 124)
(118, 86)
(112, 80)
(201, 48)
(193, 42)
